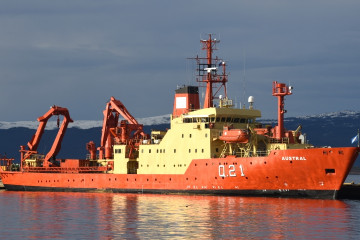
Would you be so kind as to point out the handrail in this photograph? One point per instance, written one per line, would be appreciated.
(62, 169)
(281, 140)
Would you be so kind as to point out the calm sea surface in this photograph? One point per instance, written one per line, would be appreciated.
(47, 215)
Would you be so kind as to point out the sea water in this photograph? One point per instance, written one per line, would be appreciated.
(45, 215)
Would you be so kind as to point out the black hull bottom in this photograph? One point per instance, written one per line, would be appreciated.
(314, 194)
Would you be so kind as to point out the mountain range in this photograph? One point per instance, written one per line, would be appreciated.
(329, 129)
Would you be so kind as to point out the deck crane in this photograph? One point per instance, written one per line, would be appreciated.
(35, 140)
(127, 131)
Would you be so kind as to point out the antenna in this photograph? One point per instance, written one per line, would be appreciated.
(244, 79)
(189, 71)
(208, 73)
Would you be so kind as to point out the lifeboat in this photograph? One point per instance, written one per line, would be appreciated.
(234, 135)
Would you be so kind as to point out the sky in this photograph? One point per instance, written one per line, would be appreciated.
(77, 54)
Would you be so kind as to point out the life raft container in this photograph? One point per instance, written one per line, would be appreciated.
(234, 136)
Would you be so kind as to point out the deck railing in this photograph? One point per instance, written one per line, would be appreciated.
(65, 170)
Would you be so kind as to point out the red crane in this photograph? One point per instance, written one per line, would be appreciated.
(128, 131)
(35, 140)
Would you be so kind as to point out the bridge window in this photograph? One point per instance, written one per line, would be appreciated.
(204, 119)
(187, 120)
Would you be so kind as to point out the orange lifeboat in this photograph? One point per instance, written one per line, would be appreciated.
(234, 135)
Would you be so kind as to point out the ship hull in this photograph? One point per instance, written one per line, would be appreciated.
(315, 194)
(310, 173)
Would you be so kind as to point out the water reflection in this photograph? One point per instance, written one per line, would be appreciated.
(132, 216)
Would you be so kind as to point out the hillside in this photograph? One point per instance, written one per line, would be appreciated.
(331, 129)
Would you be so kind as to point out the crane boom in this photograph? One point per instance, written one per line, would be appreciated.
(120, 108)
(120, 131)
(35, 140)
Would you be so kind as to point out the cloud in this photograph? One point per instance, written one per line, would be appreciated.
(78, 54)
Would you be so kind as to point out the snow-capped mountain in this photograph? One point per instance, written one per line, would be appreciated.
(82, 124)
(327, 129)
(342, 114)
(165, 119)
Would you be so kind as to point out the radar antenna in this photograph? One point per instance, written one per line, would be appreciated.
(207, 69)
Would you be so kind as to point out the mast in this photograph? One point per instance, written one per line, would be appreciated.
(280, 90)
(208, 71)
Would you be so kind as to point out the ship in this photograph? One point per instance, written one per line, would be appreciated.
(210, 148)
